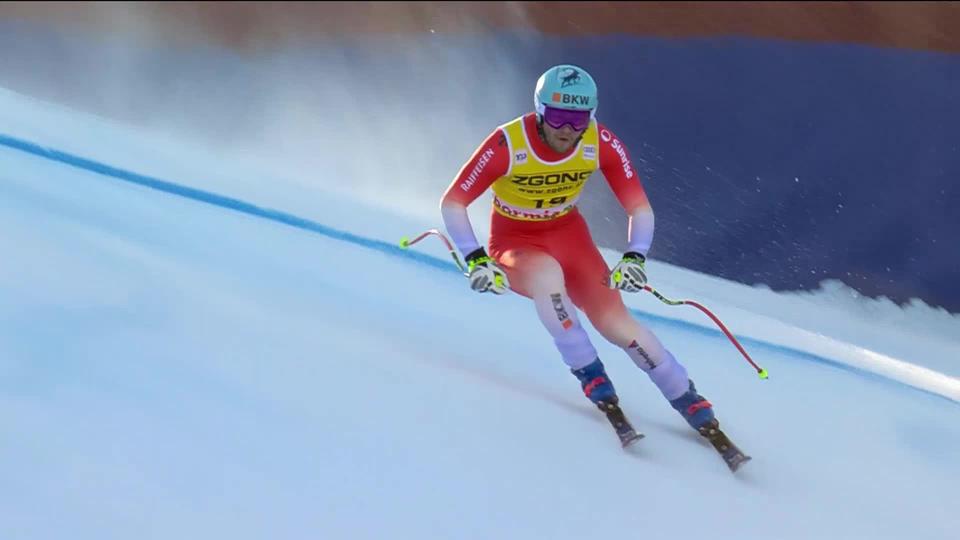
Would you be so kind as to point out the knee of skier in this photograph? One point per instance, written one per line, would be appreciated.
(617, 326)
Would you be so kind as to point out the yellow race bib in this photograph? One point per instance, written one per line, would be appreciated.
(537, 190)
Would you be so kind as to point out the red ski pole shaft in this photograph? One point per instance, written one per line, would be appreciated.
(760, 371)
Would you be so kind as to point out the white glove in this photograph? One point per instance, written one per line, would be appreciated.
(486, 275)
(628, 275)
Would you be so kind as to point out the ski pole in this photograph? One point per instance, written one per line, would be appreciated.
(406, 243)
(760, 371)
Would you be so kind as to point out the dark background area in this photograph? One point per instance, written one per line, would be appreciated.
(780, 143)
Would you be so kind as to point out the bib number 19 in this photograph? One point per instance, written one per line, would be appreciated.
(552, 202)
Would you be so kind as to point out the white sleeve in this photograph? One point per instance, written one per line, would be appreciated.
(640, 230)
(457, 221)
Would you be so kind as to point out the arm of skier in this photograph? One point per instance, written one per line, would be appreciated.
(489, 162)
(617, 168)
(629, 274)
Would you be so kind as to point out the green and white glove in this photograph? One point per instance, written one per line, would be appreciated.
(485, 274)
(629, 275)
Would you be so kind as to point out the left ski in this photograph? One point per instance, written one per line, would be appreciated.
(732, 456)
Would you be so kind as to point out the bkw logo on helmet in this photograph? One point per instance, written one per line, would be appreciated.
(572, 99)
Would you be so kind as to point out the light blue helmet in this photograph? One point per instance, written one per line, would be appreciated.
(566, 87)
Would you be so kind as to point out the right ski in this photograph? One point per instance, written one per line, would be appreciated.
(629, 437)
(627, 434)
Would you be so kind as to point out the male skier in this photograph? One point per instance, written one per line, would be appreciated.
(541, 248)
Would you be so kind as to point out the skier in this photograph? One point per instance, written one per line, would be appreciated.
(541, 248)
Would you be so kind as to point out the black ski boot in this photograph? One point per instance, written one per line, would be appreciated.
(698, 412)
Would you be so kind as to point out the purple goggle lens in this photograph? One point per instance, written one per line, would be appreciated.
(556, 118)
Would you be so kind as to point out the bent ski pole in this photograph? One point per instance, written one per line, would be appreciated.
(406, 243)
(760, 371)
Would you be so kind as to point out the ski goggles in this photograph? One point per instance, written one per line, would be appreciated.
(557, 118)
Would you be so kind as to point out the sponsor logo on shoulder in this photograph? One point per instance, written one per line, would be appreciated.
(520, 157)
(624, 160)
(589, 151)
(617, 146)
(477, 169)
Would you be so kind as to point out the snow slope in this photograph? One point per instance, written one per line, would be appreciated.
(171, 367)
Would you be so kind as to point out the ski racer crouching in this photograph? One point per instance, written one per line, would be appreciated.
(540, 246)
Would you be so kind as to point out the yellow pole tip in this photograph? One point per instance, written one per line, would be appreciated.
(764, 374)
(404, 242)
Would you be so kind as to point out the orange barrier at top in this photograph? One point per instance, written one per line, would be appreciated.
(912, 25)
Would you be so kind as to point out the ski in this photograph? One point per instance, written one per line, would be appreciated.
(731, 454)
(629, 437)
(627, 434)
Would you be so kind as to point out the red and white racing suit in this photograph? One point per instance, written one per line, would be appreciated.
(542, 241)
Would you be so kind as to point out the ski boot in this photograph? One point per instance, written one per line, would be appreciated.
(599, 390)
(698, 412)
